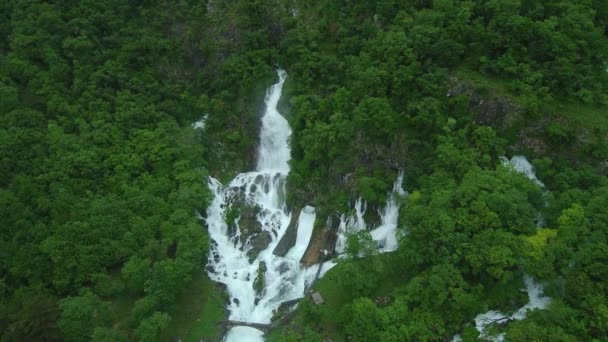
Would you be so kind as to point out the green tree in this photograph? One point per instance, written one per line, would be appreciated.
(81, 315)
(150, 328)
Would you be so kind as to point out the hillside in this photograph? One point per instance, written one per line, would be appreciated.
(105, 185)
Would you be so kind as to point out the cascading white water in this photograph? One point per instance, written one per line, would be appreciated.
(536, 300)
(386, 233)
(231, 261)
(274, 152)
(522, 165)
(306, 223)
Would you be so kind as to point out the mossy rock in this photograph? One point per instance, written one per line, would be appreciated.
(259, 242)
(260, 279)
(247, 216)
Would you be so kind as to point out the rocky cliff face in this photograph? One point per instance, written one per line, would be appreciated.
(552, 134)
(489, 110)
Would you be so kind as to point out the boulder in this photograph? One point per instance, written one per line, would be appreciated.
(247, 216)
(260, 279)
(322, 245)
(259, 242)
(289, 239)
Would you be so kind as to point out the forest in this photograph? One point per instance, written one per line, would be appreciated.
(103, 179)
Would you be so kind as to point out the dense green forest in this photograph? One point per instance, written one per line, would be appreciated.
(101, 172)
(102, 175)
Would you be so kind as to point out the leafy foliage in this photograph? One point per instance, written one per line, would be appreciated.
(100, 171)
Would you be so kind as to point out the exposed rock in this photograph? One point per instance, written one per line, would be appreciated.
(330, 234)
(247, 216)
(317, 299)
(372, 217)
(489, 110)
(284, 309)
(322, 240)
(259, 242)
(535, 145)
(289, 238)
(383, 301)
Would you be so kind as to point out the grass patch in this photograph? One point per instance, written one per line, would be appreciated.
(583, 115)
(588, 116)
(486, 84)
(199, 310)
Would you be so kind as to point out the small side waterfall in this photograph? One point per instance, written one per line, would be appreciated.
(386, 233)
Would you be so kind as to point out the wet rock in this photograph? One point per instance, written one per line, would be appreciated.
(284, 308)
(321, 246)
(372, 217)
(260, 279)
(266, 187)
(289, 239)
(259, 242)
(237, 301)
(249, 222)
(222, 286)
(245, 215)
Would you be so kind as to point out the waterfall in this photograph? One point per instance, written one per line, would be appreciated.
(241, 254)
(522, 165)
(386, 233)
(536, 300)
(233, 258)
